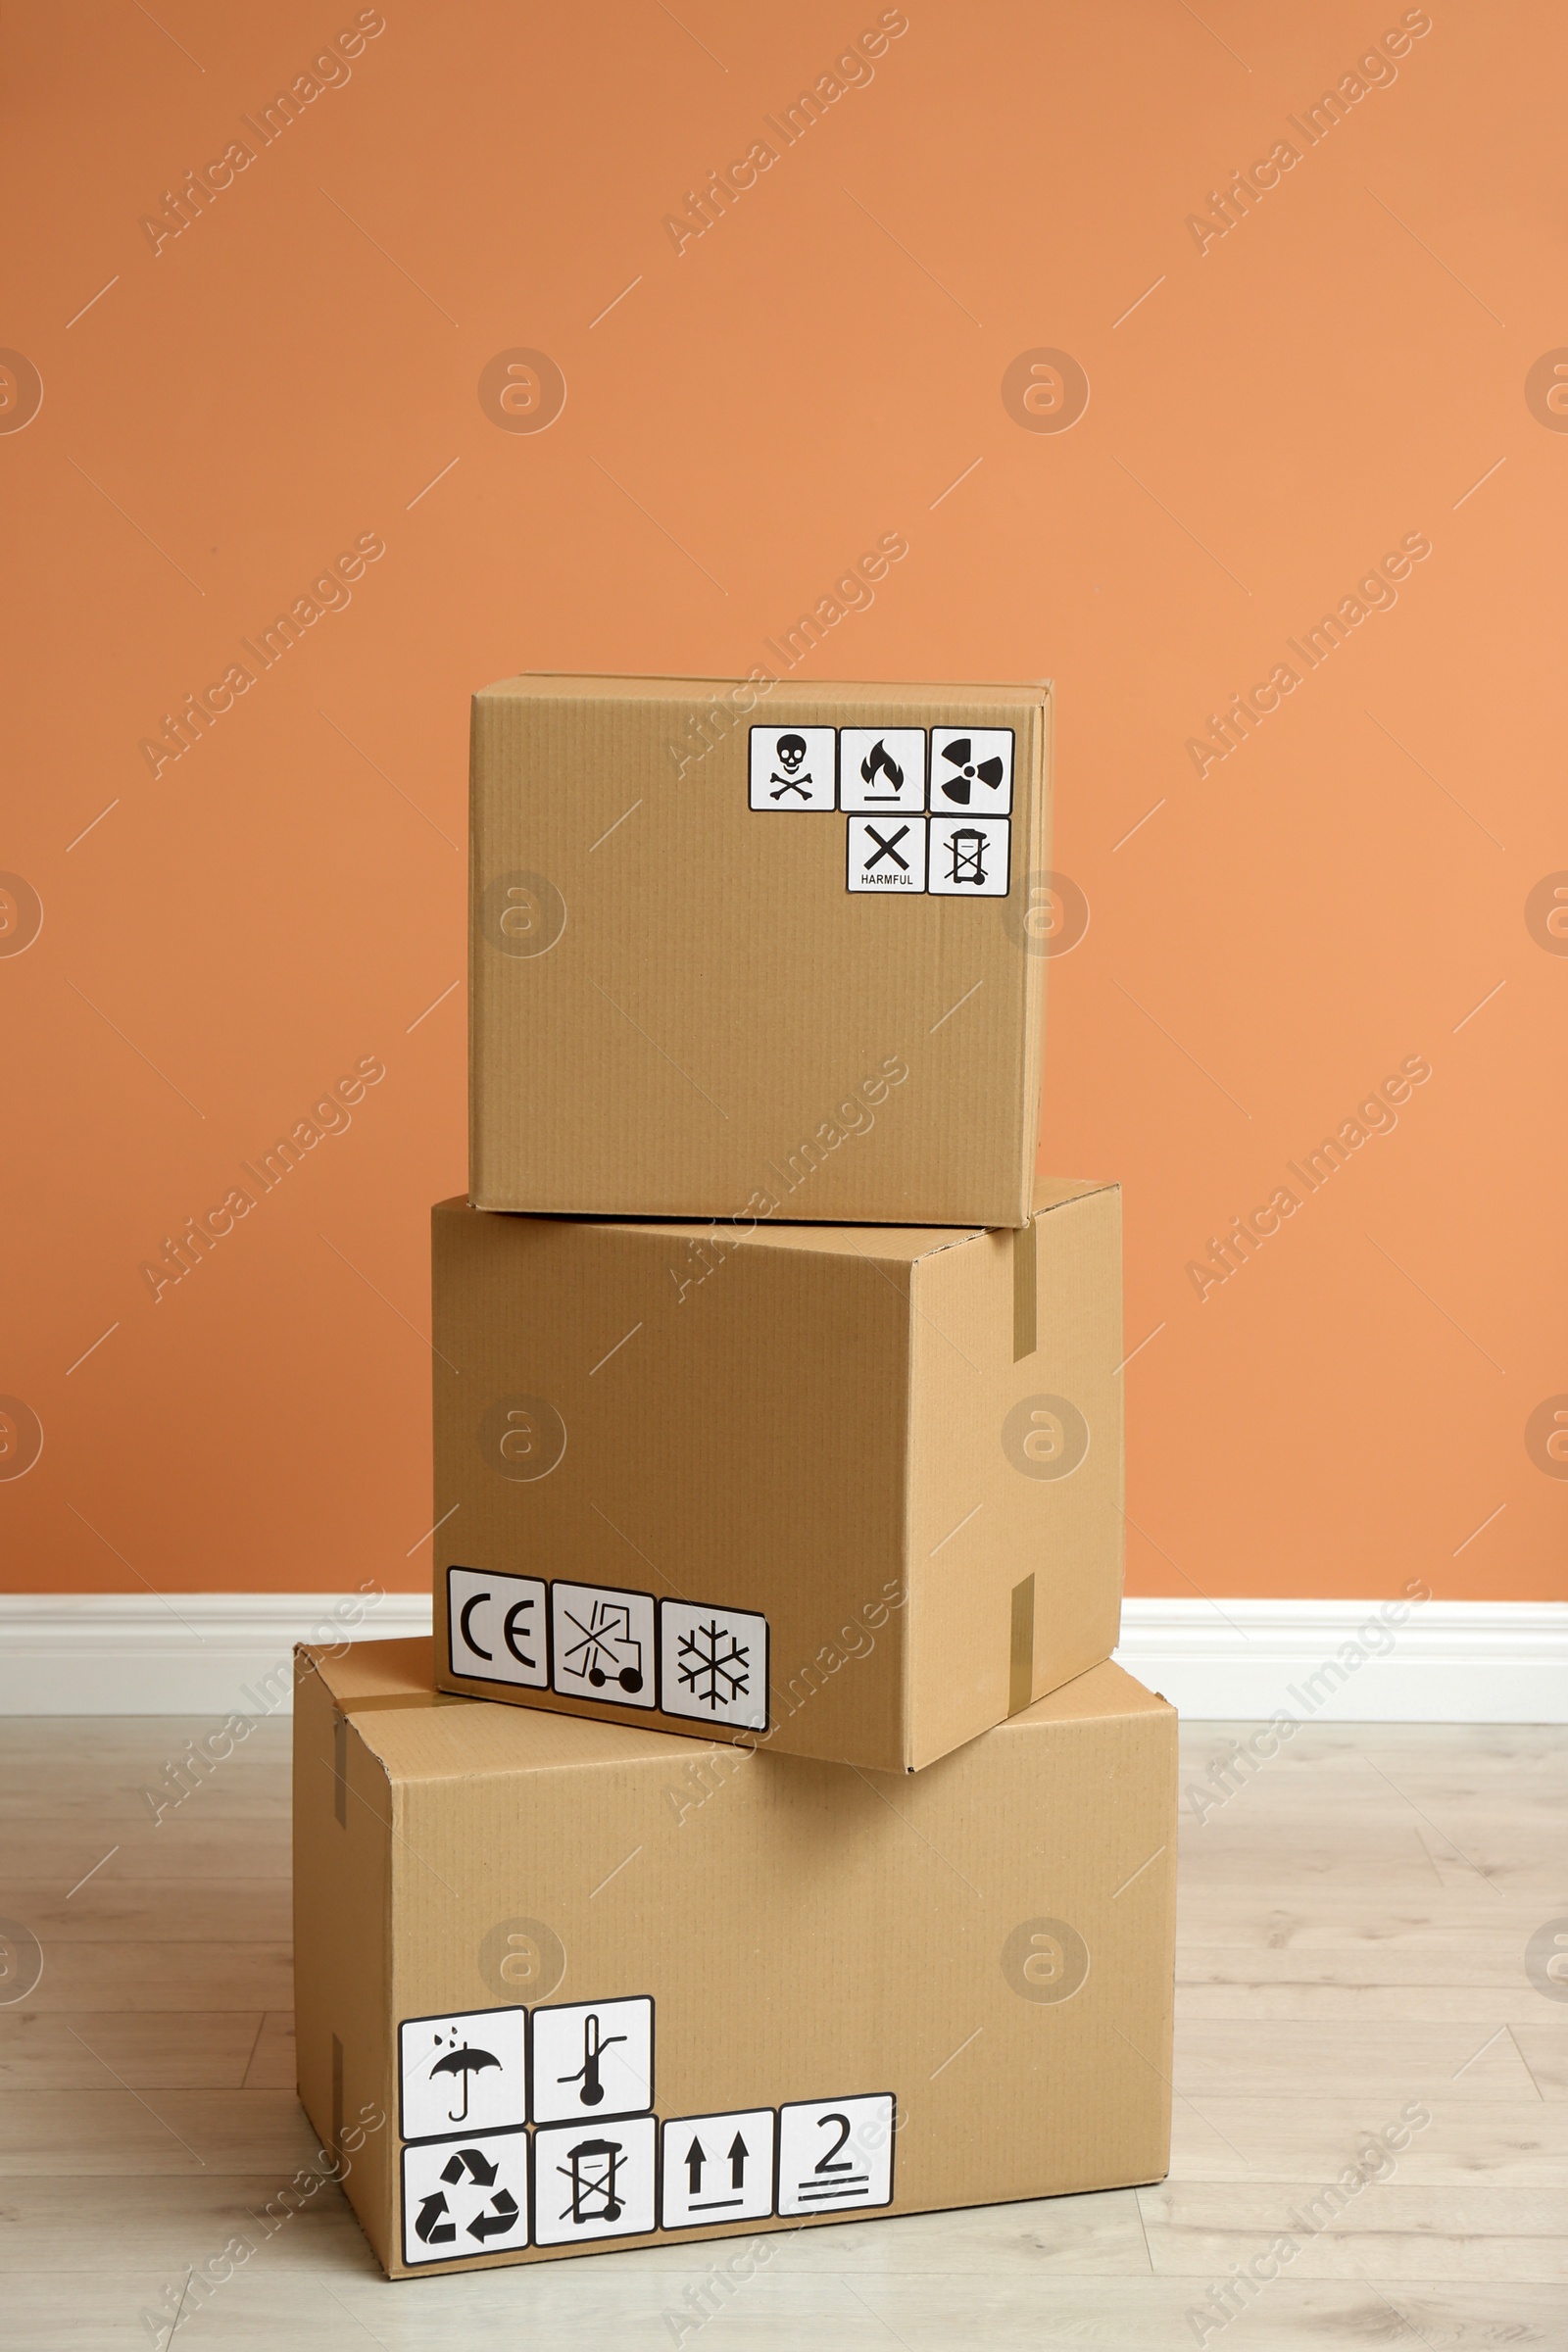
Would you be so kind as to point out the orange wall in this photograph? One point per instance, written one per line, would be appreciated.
(300, 367)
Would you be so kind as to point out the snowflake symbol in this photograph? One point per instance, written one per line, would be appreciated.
(716, 1675)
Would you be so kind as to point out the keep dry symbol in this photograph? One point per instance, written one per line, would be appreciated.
(463, 2061)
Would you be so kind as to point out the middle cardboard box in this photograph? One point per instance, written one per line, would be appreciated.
(851, 1492)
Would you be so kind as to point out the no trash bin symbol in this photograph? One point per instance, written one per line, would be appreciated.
(966, 847)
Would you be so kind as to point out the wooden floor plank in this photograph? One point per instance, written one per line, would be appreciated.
(1390, 2230)
(198, 1846)
(115, 2131)
(577, 2306)
(1347, 2002)
(273, 2060)
(1385, 2062)
(109, 1909)
(150, 2049)
(162, 1976)
(1545, 2052)
(1501, 2145)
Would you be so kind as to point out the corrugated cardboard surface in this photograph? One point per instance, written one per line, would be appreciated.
(686, 1008)
(817, 1426)
(990, 1942)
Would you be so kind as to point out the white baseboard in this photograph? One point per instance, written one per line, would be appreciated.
(191, 1653)
(218, 1653)
(1342, 1661)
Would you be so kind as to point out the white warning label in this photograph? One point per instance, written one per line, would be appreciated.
(835, 2155)
(497, 1627)
(463, 2073)
(887, 853)
(593, 2058)
(970, 857)
(718, 2168)
(972, 770)
(713, 1664)
(465, 2197)
(882, 769)
(791, 767)
(594, 2180)
(601, 1643)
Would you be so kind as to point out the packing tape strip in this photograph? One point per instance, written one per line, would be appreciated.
(1021, 1657)
(1025, 1290)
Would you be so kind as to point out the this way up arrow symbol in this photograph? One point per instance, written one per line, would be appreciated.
(737, 2161)
(695, 2159)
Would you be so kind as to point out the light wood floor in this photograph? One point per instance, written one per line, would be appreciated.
(1355, 1924)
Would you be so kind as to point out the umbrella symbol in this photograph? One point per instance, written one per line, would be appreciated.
(463, 2061)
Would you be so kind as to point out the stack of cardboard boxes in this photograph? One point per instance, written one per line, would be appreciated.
(816, 1864)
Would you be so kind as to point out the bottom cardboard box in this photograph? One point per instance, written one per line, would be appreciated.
(567, 1986)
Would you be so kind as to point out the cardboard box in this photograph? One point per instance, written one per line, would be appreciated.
(732, 942)
(855, 1491)
(564, 1985)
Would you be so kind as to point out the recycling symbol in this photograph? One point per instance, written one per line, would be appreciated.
(435, 2224)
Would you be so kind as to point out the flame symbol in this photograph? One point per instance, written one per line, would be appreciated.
(880, 757)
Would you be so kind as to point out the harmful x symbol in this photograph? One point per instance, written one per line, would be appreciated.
(886, 848)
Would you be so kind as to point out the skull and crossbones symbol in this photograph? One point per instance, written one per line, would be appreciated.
(791, 752)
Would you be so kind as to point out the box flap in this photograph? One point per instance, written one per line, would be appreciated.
(416, 1732)
(363, 1672)
(1054, 1191)
(1101, 1695)
(569, 686)
(878, 1244)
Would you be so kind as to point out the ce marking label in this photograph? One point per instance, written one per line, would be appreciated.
(498, 1628)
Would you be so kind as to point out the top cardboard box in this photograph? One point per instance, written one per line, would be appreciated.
(733, 945)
